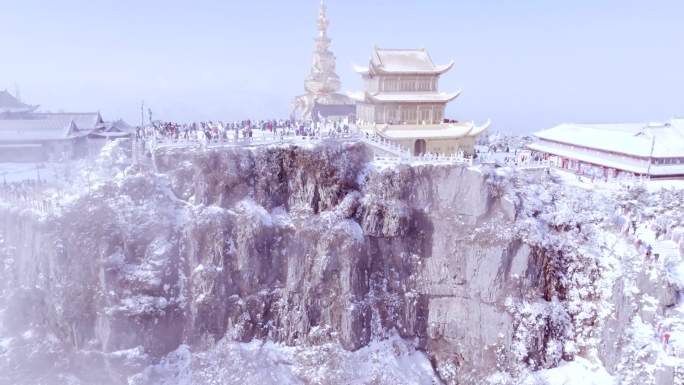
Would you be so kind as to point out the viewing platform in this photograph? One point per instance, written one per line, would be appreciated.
(384, 149)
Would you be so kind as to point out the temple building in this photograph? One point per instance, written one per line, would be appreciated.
(322, 99)
(401, 103)
(30, 136)
(609, 150)
(12, 106)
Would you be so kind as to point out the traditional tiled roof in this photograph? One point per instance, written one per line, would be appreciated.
(49, 126)
(10, 104)
(430, 131)
(117, 126)
(418, 97)
(634, 139)
(19, 130)
(84, 120)
(9, 101)
(620, 162)
(416, 59)
(403, 61)
(18, 122)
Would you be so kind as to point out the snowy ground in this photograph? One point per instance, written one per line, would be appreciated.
(578, 372)
(19, 172)
(390, 361)
(585, 182)
(651, 218)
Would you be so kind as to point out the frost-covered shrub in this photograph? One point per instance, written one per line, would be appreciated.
(497, 184)
(562, 224)
(114, 156)
(541, 329)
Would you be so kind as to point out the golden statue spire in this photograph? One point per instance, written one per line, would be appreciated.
(322, 84)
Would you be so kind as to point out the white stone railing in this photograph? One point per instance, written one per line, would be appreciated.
(28, 198)
(531, 165)
(400, 154)
(426, 158)
(385, 145)
(528, 164)
(260, 138)
(395, 153)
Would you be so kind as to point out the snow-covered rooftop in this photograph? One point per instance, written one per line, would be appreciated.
(83, 120)
(634, 139)
(608, 160)
(9, 101)
(16, 130)
(49, 126)
(438, 97)
(417, 59)
(435, 97)
(403, 61)
(111, 134)
(431, 131)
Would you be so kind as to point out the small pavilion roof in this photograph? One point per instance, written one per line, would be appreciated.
(431, 131)
(402, 61)
(418, 97)
(9, 103)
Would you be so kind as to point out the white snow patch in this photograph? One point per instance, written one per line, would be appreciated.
(390, 361)
(578, 372)
(352, 228)
(252, 208)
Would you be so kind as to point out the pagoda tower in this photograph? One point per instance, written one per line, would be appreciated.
(322, 85)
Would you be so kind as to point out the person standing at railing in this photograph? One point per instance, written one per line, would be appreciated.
(222, 130)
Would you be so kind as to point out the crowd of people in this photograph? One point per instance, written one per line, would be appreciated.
(244, 130)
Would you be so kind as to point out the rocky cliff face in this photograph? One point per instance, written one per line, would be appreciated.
(299, 246)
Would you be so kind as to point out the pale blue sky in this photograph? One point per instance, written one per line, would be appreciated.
(525, 64)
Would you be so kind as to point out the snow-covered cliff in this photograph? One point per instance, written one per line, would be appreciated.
(309, 265)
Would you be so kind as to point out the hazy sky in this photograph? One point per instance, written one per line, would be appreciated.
(525, 64)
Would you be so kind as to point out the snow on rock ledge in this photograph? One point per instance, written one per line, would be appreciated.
(301, 247)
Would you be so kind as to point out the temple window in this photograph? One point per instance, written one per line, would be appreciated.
(438, 116)
(408, 115)
(425, 115)
(390, 84)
